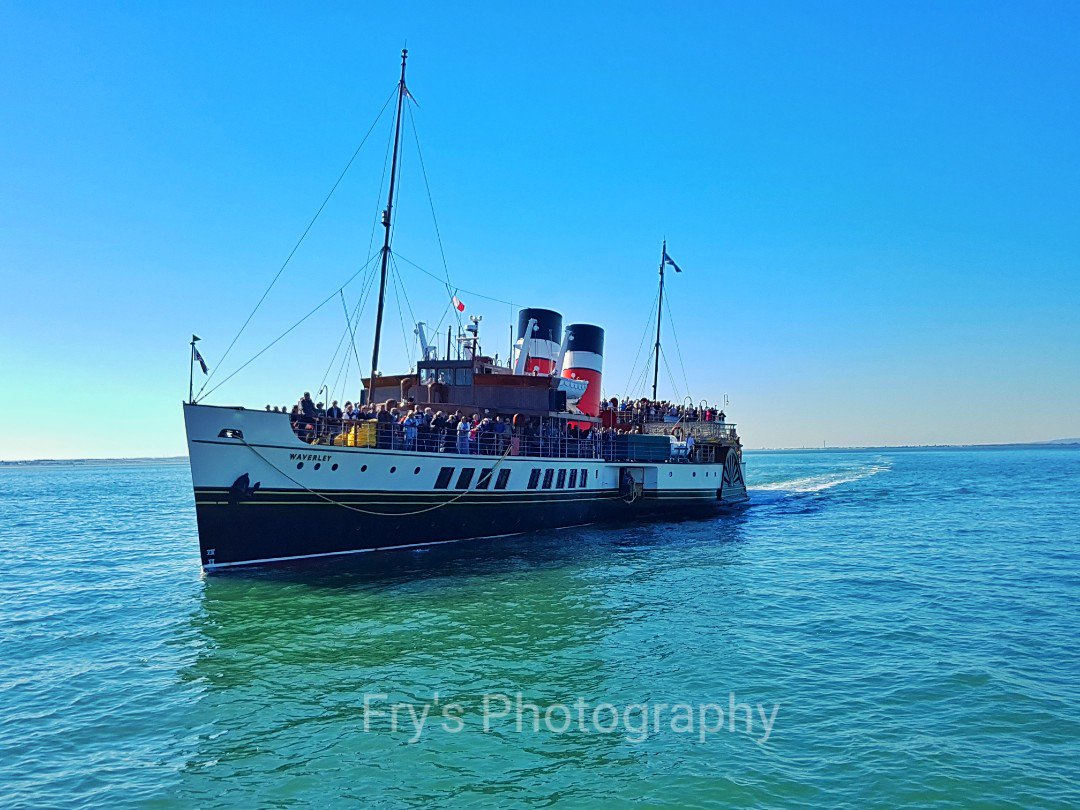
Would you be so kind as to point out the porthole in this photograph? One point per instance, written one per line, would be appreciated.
(333, 468)
(695, 475)
(416, 471)
(363, 468)
(318, 465)
(299, 465)
(393, 469)
(670, 474)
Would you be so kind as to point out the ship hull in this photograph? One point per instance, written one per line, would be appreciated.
(313, 501)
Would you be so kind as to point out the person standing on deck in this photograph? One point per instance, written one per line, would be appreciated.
(463, 429)
(474, 434)
(383, 428)
(410, 425)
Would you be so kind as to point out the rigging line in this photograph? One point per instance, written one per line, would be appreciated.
(357, 310)
(344, 382)
(643, 380)
(671, 377)
(298, 243)
(431, 204)
(382, 184)
(317, 307)
(343, 369)
(438, 326)
(361, 305)
(344, 334)
(352, 332)
(645, 334)
(678, 348)
(345, 363)
(415, 347)
(404, 290)
(397, 300)
(456, 289)
(638, 387)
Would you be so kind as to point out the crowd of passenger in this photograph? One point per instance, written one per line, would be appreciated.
(407, 426)
(649, 410)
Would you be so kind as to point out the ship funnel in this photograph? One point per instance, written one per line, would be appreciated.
(542, 346)
(584, 360)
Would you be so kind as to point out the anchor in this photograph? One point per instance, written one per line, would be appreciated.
(241, 488)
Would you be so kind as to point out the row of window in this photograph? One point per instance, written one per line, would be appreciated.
(465, 478)
(447, 376)
(565, 479)
(561, 481)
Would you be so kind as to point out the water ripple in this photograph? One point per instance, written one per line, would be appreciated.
(913, 615)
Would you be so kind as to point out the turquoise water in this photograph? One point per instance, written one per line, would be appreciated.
(913, 616)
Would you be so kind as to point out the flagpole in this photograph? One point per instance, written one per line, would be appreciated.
(191, 374)
(659, 312)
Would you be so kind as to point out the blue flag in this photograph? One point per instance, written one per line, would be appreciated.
(202, 363)
(669, 260)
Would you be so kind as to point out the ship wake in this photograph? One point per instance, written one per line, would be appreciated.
(819, 483)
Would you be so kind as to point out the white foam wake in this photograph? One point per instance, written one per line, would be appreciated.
(817, 483)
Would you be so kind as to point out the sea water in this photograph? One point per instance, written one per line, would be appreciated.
(908, 620)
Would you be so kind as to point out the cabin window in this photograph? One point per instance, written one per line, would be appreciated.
(465, 478)
(427, 375)
(534, 479)
(446, 376)
(463, 376)
(443, 481)
(573, 479)
(584, 482)
(548, 476)
(485, 478)
(560, 480)
(504, 477)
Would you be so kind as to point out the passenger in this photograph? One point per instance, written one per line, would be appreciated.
(384, 429)
(474, 434)
(486, 436)
(450, 434)
(463, 429)
(438, 432)
(423, 430)
(410, 424)
(294, 420)
(307, 406)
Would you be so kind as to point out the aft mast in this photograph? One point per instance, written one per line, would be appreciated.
(659, 312)
(386, 220)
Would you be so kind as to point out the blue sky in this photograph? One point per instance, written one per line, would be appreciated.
(877, 206)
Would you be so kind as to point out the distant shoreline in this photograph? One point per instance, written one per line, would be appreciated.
(91, 462)
(1069, 444)
(1057, 444)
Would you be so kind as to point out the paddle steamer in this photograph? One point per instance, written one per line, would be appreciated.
(266, 491)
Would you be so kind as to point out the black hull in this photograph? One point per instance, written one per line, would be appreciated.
(276, 526)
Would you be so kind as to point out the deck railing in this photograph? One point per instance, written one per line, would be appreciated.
(548, 439)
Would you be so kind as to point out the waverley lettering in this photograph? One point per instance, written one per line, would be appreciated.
(307, 457)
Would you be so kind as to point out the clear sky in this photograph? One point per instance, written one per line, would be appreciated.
(876, 205)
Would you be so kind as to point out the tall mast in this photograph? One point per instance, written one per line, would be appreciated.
(659, 312)
(386, 219)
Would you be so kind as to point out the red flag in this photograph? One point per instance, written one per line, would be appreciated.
(458, 305)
